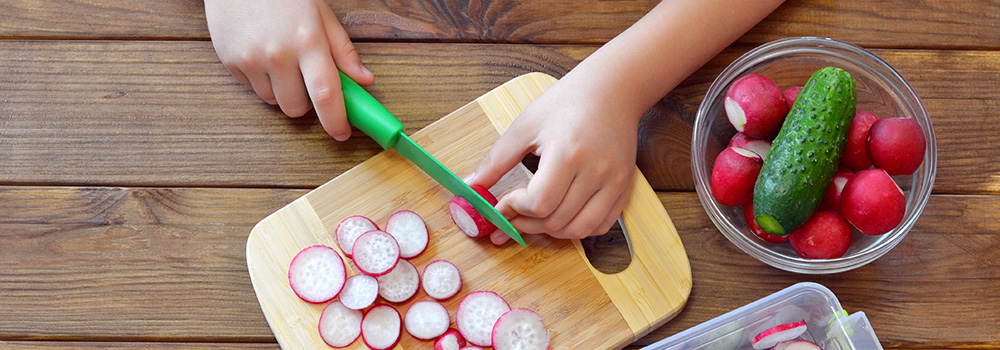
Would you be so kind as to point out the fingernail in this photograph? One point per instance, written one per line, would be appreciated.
(341, 137)
(469, 177)
(366, 71)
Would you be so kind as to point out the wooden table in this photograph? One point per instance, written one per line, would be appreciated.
(133, 166)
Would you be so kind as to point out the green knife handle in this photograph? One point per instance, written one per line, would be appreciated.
(368, 115)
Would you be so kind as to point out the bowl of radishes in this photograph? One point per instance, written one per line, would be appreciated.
(830, 144)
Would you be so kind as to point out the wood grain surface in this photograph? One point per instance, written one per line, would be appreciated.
(133, 166)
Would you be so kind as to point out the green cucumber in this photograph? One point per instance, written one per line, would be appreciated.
(805, 154)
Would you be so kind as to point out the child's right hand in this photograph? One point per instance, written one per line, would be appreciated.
(289, 53)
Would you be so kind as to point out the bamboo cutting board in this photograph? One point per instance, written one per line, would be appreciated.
(584, 308)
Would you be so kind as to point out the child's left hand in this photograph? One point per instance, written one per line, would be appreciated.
(587, 150)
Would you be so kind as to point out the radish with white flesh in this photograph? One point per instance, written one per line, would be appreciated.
(400, 284)
(831, 201)
(477, 313)
(759, 146)
(350, 229)
(380, 327)
(791, 94)
(360, 291)
(468, 219)
(339, 326)
(520, 329)
(855, 154)
(441, 279)
(451, 340)
(797, 344)
(410, 232)
(317, 274)
(376, 253)
(756, 106)
(426, 320)
(734, 176)
(774, 335)
(826, 235)
(896, 145)
(872, 202)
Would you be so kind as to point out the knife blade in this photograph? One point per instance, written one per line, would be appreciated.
(369, 116)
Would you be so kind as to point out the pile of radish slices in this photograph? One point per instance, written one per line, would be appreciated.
(318, 274)
(784, 337)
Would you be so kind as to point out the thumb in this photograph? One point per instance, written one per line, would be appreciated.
(505, 154)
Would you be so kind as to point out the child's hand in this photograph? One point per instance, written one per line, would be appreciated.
(587, 160)
(289, 52)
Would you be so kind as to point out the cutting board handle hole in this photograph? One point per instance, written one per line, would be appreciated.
(606, 253)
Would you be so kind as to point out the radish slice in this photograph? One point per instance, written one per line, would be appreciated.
(359, 292)
(410, 232)
(316, 274)
(376, 253)
(380, 327)
(441, 279)
(339, 326)
(451, 340)
(797, 344)
(477, 313)
(520, 329)
(468, 219)
(350, 229)
(427, 320)
(399, 284)
(782, 332)
(472, 347)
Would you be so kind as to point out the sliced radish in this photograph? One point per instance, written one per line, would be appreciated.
(758, 146)
(360, 291)
(410, 232)
(399, 284)
(472, 347)
(477, 313)
(339, 326)
(451, 340)
(441, 279)
(317, 274)
(380, 327)
(426, 320)
(376, 253)
(350, 229)
(782, 332)
(797, 344)
(468, 219)
(520, 329)
(756, 106)
(734, 175)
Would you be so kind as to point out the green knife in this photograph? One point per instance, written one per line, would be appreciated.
(368, 115)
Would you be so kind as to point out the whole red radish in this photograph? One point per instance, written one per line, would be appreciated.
(791, 94)
(872, 202)
(824, 236)
(855, 154)
(756, 106)
(734, 175)
(748, 215)
(759, 146)
(831, 201)
(468, 219)
(896, 145)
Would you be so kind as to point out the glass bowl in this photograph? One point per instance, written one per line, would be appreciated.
(790, 62)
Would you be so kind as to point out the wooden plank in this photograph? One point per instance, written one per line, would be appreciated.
(883, 23)
(170, 263)
(168, 114)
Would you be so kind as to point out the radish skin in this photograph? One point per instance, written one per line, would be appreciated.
(451, 340)
(410, 231)
(317, 274)
(756, 106)
(339, 326)
(468, 220)
(350, 229)
(774, 335)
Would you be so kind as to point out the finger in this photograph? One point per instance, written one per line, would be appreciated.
(289, 89)
(323, 84)
(593, 215)
(548, 188)
(506, 153)
(261, 84)
(613, 215)
(344, 53)
(238, 74)
(499, 237)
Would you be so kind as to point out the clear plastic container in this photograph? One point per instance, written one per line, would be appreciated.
(827, 323)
